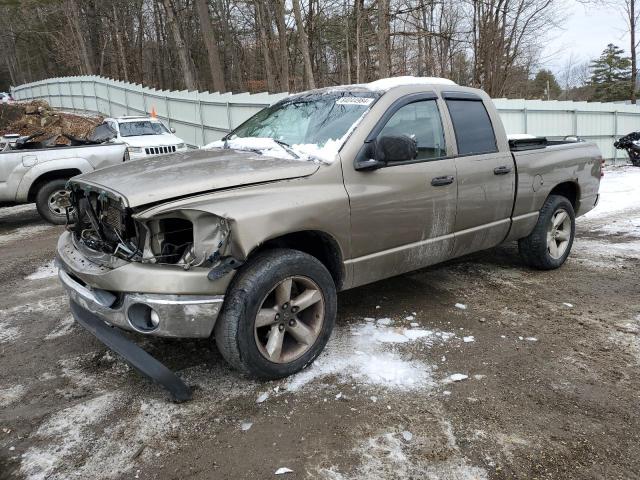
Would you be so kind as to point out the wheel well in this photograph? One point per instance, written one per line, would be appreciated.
(569, 190)
(45, 177)
(317, 244)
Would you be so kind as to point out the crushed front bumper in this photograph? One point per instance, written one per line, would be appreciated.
(178, 316)
(98, 307)
(133, 354)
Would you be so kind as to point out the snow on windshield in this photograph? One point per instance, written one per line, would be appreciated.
(307, 127)
(269, 147)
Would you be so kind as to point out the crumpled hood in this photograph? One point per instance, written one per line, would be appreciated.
(161, 178)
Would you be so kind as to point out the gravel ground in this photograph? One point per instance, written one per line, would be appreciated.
(478, 368)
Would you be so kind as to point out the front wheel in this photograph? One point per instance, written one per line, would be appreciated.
(278, 314)
(52, 202)
(549, 244)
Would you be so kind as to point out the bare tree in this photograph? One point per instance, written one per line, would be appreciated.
(304, 45)
(384, 58)
(186, 63)
(280, 15)
(276, 45)
(211, 42)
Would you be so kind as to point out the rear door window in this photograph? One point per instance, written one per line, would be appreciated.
(472, 126)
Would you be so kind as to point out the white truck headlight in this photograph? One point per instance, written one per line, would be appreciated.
(135, 149)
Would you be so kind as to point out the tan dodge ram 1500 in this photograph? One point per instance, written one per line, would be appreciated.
(248, 242)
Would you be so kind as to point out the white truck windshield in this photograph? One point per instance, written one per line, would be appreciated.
(308, 119)
(143, 127)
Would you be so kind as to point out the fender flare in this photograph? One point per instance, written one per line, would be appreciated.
(35, 172)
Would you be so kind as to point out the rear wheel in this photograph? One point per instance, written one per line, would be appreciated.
(278, 314)
(549, 244)
(51, 200)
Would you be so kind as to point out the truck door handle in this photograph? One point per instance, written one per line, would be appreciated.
(503, 170)
(439, 181)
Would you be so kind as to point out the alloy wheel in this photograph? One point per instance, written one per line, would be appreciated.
(289, 320)
(558, 233)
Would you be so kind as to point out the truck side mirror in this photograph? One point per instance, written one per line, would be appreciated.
(396, 148)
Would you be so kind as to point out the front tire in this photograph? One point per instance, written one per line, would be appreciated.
(279, 312)
(549, 244)
(46, 201)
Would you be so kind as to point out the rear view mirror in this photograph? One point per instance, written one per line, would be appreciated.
(396, 148)
(173, 130)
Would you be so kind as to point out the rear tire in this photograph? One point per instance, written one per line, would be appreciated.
(267, 333)
(45, 201)
(550, 242)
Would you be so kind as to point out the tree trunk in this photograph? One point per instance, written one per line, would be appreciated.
(73, 16)
(304, 46)
(211, 43)
(260, 21)
(384, 61)
(121, 55)
(347, 33)
(634, 61)
(358, 8)
(184, 58)
(284, 49)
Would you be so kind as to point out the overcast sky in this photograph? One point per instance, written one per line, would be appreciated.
(585, 33)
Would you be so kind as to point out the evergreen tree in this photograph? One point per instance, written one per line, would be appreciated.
(611, 75)
(545, 79)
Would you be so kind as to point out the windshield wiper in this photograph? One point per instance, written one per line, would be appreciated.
(287, 147)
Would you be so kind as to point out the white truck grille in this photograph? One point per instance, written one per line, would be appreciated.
(160, 150)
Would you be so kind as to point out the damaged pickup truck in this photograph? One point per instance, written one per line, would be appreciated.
(248, 242)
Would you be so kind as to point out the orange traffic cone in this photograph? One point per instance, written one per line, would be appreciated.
(154, 114)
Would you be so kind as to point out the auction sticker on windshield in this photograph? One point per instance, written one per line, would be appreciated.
(354, 101)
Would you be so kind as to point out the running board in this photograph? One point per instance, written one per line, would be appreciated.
(132, 354)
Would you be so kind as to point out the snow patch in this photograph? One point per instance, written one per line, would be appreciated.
(361, 354)
(385, 84)
(10, 395)
(112, 440)
(397, 455)
(461, 306)
(8, 333)
(46, 271)
(23, 233)
(66, 432)
(17, 210)
(618, 192)
(64, 327)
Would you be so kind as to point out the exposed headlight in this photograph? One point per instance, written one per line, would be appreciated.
(136, 149)
(180, 146)
(189, 238)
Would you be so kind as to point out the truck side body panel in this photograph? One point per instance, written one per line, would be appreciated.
(542, 170)
(20, 168)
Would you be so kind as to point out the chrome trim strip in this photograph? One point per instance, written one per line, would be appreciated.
(83, 291)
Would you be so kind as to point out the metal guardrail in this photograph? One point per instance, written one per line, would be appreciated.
(202, 117)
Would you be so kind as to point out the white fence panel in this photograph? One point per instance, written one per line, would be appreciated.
(202, 117)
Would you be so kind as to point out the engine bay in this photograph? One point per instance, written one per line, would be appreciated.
(103, 224)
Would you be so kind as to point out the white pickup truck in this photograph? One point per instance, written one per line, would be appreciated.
(40, 174)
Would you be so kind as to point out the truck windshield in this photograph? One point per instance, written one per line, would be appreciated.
(311, 119)
(143, 127)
